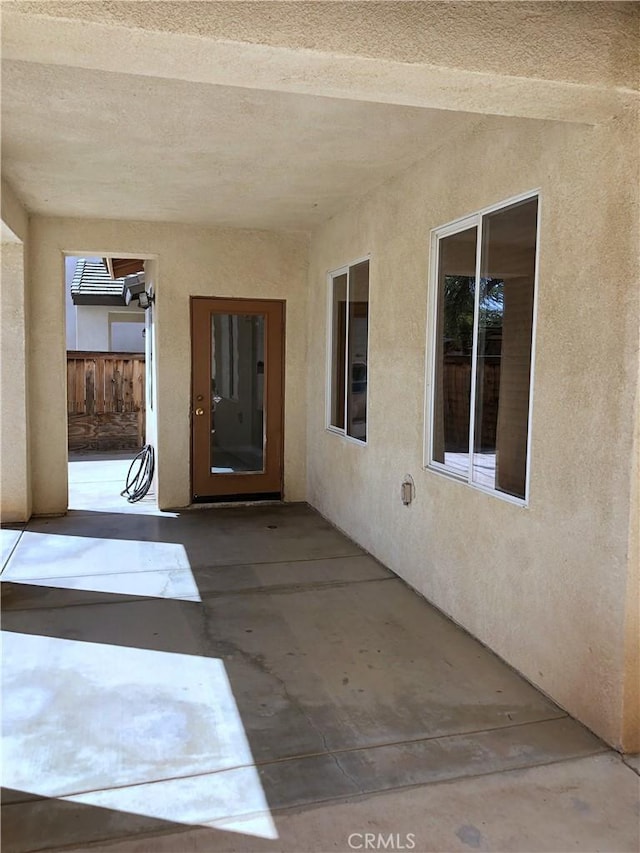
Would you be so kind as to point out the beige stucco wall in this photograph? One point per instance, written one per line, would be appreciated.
(588, 43)
(14, 476)
(548, 586)
(187, 261)
(15, 486)
(631, 697)
(14, 215)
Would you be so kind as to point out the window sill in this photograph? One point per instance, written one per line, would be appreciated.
(452, 475)
(335, 431)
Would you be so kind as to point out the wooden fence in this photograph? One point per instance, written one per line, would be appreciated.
(105, 400)
(456, 381)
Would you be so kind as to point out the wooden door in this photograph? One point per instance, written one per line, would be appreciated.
(237, 398)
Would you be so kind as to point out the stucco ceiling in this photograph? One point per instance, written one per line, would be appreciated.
(85, 143)
(276, 115)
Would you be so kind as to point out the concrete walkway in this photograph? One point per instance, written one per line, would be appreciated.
(96, 480)
(249, 679)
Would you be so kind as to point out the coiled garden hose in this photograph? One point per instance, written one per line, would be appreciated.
(140, 478)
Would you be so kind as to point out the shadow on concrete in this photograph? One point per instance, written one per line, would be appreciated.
(267, 663)
(53, 819)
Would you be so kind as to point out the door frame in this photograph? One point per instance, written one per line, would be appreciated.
(237, 497)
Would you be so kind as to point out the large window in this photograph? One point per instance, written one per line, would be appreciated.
(484, 283)
(348, 348)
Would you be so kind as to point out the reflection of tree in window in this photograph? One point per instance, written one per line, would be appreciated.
(495, 455)
(459, 294)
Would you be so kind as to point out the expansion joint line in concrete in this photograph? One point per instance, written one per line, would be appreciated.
(216, 566)
(5, 562)
(334, 753)
(276, 589)
(179, 829)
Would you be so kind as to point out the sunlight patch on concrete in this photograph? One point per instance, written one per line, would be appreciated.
(54, 555)
(135, 730)
(176, 584)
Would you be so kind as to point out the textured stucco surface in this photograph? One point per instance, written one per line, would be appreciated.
(187, 261)
(14, 215)
(552, 588)
(582, 43)
(15, 486)
(149, 41)
(544, 586)
(15, 495)
(228, 156)
(276, 115)
(631, 698)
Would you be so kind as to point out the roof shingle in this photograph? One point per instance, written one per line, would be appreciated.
(91, 285)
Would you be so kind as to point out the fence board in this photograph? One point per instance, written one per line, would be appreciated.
(100, 395)
(117, 378)
(80, 400)
(109, 397)
(105, 400)
(71, 386)
(110, 431)
(456, 382)
(127, 385)
(138, 384)
(90, 385)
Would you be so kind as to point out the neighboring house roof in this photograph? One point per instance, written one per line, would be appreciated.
(91, 285)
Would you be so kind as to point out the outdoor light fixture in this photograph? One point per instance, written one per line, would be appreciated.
(145, 299)
(135, 288)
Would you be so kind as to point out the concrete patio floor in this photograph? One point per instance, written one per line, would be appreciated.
(246, 679)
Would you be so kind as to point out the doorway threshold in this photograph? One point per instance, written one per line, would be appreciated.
(254, 499)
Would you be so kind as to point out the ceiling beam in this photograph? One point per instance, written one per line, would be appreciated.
(118, 49)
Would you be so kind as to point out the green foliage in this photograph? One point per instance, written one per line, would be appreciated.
(459, 292)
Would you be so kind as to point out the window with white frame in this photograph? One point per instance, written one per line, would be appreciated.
(348, 349)
(483, 282)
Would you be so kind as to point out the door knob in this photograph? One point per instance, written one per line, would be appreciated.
(199, 411)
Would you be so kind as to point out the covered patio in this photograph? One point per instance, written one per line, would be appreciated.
(390, 261)
(233, 679)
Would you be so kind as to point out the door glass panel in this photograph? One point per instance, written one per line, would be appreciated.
(237, 393)
(454, 345)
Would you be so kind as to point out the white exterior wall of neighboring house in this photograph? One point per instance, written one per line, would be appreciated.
(104, 328)
(101, 328)
(126, 331)
(70, 308)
